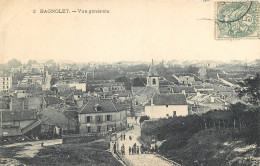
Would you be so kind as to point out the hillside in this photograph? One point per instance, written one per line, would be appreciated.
(211, 148)
(218, 137)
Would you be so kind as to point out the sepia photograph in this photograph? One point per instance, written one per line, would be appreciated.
(129, 82)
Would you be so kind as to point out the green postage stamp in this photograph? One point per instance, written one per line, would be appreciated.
(237, 20)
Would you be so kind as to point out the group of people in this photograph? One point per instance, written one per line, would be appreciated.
(134, 150)
(130, 127)
(122, 137)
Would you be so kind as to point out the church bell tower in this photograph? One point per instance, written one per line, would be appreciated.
(153, 77)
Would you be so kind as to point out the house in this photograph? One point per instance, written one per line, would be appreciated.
(78, 86)
(123, 96)
(53, 101)
(62, 87)
(77, 95)
(206, 102)
(22, 91)
(204, 88)
(102, 115)
(166, 105)
(28, 103)
(15, 123)
(5, 82)
(186, 90)
(54, 122)
(188, 79)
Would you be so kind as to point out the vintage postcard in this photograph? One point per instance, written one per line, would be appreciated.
(129, 82)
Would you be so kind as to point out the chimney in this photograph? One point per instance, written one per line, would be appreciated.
(183, 91)
(212, 99)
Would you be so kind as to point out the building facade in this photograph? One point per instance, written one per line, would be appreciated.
(5, 83)
(102, 115)
(167, 105)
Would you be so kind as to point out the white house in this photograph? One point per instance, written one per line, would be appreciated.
(166, 105)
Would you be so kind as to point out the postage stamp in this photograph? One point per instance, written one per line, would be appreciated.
(237, 20)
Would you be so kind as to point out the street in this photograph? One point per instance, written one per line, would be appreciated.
(138, 159)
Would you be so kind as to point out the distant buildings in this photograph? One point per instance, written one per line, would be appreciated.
(5, 82)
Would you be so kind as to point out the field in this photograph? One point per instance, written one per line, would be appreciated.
(95, 153)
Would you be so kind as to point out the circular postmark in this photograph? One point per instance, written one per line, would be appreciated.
(231, 17)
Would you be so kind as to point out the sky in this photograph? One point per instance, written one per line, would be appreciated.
(133, 30)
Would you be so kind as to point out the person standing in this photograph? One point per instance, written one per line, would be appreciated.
(130, 149)
(142, 148)
(115, 147)
(137, 149)
(123, 149)
(124, 136)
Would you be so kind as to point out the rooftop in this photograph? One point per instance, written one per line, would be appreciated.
(169, 99)
(22, 115)
(100, 105)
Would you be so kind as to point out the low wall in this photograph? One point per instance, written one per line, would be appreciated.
(84, 138)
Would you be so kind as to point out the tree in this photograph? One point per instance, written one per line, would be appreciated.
(251, 88)
(13, 63)
(30, 62)
(53, 81)
(139, 81)
(143, 118)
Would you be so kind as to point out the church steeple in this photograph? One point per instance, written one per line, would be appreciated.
(152, 70)
(153, 77)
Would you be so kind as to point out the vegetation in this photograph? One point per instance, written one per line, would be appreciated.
(239, 122)
(143, 118)
(251, 88)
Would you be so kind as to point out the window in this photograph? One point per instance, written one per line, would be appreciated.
(174, 113)
(109, 117)
(88, 119)
(89, 129)
(99, 129)
(154, 81)
(98, 119)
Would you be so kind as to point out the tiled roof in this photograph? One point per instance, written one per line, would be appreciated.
(78, 92)
(170, 99)
(54, 117)
(52, 100)
(147, 91)
(178, 89)
(18, 115)
(106, 105)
